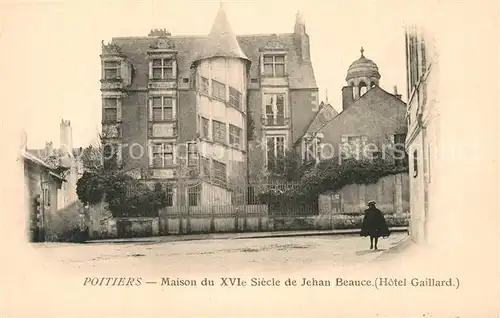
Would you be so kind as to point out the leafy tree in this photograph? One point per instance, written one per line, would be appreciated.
(104, 180)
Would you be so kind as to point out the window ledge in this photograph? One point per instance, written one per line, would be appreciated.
(163, 121)
(169, 79)
(114, 79)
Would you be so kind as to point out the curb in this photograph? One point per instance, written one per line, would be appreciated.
(165, 239)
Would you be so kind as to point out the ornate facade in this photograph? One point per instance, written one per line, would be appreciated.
(177, 109)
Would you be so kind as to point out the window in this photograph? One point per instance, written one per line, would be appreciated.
(204, 85)
(274, 65)
(275, 150)
(423, 56)
(275, 109)
(46, 197)
(312, 149)
(162, 69)
(219, 90)
(192, 154)
(162, 108)
(110, 109)
(353, 146)
(234, 98)
(111, 70)
(413, 59)
(194, 195)
(163, 155)
(362, 89)
(235, 136)
(170, 195)
(415, 163)
(205, 128)
(219, 170)
(219, 131)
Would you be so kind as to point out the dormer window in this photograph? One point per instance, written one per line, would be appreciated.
(162, 68)
(111, 70)
(274, 65)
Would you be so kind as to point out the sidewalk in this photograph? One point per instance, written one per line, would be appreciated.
(232, 236)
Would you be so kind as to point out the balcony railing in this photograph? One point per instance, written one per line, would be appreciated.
(279, 120)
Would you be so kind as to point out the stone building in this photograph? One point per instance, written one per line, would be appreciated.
(423, 131)
(65, 157)
(370, 117)
(51, 174)
(176, 109)
(42, 184)
(371, 125)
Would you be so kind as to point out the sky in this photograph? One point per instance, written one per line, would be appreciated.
(58, 43)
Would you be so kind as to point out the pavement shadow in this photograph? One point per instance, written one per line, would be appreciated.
(364, 252)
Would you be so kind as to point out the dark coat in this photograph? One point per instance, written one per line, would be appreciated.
(374, 223)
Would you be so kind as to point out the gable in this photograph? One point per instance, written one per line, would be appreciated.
(375, 110)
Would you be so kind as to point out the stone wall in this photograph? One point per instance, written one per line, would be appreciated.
(390, 192)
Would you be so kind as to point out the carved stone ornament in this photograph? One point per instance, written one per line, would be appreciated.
(110, 48)
(274, 45)
(163, 44)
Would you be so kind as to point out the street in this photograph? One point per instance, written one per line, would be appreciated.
(264, 255)
(249, 278)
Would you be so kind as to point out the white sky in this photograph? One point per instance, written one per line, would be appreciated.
(58, 45)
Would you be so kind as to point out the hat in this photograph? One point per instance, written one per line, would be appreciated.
(371, 202)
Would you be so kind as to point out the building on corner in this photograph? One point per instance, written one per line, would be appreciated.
(205, 115)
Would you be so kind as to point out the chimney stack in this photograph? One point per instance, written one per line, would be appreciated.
(347, 97)
(66, 137)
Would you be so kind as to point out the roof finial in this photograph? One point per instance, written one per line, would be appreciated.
(362, 51)
(326, 95)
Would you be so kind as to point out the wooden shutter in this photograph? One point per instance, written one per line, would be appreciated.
(174, 69)
(150, 108)
(150, 154)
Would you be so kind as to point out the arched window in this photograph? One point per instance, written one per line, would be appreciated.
(415, 163)
(362, 89)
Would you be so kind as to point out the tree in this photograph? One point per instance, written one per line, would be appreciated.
(92, 156)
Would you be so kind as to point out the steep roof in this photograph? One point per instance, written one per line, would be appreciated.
(325, 114)
(37, 161)
(135, 49)
(221, 41)
(379, 105)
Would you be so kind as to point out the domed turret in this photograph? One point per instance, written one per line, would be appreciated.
(361, 75)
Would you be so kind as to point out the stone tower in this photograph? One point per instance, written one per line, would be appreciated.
(221, 71)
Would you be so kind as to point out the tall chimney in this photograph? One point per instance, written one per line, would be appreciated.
(66, 137)
(301, 37)
(347, 97)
